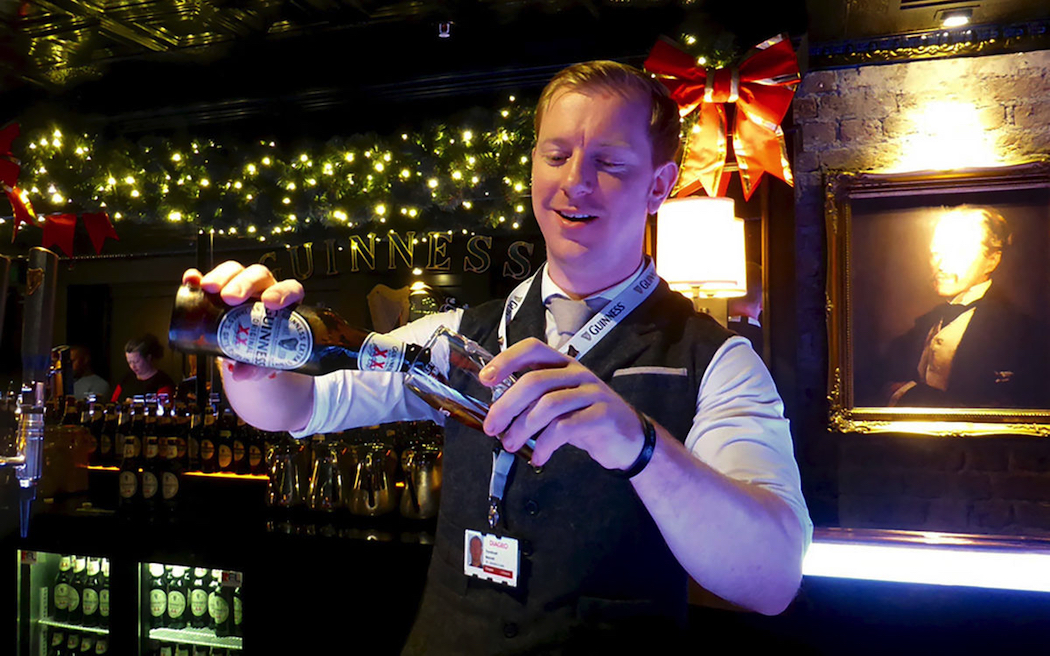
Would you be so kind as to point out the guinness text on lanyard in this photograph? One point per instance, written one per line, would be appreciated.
(600, 325)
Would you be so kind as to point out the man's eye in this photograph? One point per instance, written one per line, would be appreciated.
(555, 159)
(610, 164)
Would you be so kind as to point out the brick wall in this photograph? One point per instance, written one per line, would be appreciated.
(861, 119)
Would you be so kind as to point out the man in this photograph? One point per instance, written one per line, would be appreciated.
(745, 311)
(976, 349)
(657, 391)
(85, 380)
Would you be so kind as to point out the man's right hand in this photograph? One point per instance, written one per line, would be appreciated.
(236, 284)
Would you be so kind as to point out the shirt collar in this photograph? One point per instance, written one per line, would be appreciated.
(968, 296)
(550, 288)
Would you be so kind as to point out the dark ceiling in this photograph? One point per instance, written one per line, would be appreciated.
(167, 64)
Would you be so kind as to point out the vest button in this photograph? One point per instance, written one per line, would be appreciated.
(532, 507)
(510, 629)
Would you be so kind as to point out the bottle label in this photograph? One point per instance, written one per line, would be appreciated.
(152, 447)
(74, 599)
(92, 444)
(101, 646)
(179, 449)
(225, 456)
(207, 449)
(238, 611)
(381, 353)
(218, 608)
(176, 604)
(149, 485)
(72, 643)
(128, 483)
(107, 444)
(254, 456)
(62, 596)
(170, 485)
(158, 602)
(103, 602)
(238, 450)
(198, 602)
(90, 601)
(277, 339)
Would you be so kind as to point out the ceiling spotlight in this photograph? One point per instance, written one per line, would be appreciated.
(445, 30)
(956, 17)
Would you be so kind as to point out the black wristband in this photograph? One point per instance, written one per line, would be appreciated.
(648, 447)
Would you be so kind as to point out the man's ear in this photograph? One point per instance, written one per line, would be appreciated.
(664, 178)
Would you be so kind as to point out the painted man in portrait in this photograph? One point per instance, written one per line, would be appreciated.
(976, 349)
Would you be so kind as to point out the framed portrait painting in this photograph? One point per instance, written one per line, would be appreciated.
(938, 301)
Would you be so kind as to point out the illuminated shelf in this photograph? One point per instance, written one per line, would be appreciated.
(200, 637)
(195, 474)
(75, 627)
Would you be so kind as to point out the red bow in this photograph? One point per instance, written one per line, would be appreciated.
(762, 87)
(9, 170)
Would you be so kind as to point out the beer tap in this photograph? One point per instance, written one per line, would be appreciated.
(37, 371)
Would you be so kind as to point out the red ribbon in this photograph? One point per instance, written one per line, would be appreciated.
(761, 86)
(98, 228)
(10, 167)
(58, 231)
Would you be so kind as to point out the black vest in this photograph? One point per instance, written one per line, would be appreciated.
(595, 572)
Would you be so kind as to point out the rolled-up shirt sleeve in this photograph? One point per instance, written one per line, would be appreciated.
(348, 399)
(739, 428)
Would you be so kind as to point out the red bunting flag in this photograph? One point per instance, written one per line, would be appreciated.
(58, 231)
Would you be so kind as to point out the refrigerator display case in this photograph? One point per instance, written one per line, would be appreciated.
(188, 610)
(63, 604)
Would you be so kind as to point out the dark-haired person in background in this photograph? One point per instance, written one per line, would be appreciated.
(977, 349)
(142, 354)
(85, 380)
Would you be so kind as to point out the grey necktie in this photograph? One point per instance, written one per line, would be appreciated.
(570, 315)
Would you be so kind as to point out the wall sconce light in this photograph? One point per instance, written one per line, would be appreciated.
(700, 249)
(956, 17)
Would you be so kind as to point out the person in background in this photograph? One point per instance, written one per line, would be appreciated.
(85, 380)
(142, 354)
(745, 311)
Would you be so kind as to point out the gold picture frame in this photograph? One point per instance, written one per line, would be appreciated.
(882, 293)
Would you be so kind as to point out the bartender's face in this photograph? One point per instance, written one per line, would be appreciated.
(140, 365)
(593, 179)
(957, 254)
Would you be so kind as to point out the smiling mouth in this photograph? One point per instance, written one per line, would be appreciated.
(576, 217)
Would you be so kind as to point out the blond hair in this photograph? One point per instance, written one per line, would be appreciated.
(630, 83)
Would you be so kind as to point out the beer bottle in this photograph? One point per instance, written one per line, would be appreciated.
(218, 608)
(166, 649)
(60, 590)
(71, 412)
(241, 437)
(107, 436)
(180, 430)
(76, 591)
(91, 419)
(151, 471)
(199, 598)
(121, 430)
(89, 595)
(57, 642)
(224, 443)
(308, 340)
(238, 612)
(177, 598)
(158, 596)
(256, 453)
(138, 423)
(170, 479)
(87, 644)
(209, 435)
(101, 645)
(193, 438)
(72, 642)
(182, 649)
(103, 596)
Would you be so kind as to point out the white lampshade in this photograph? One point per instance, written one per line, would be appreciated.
(700, 247)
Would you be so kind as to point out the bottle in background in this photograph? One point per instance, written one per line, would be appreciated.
(76, 591)
(89, 595)
(177, 588)
(199, 598)
(60, 590)
(158, 596)
(103, 596)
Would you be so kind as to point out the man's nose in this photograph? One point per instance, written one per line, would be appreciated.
(579, 178)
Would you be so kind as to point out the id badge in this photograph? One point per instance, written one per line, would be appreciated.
(490, 557)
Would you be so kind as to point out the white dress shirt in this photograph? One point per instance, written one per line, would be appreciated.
(739, 428)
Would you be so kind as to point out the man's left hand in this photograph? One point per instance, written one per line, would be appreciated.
(559, 401)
